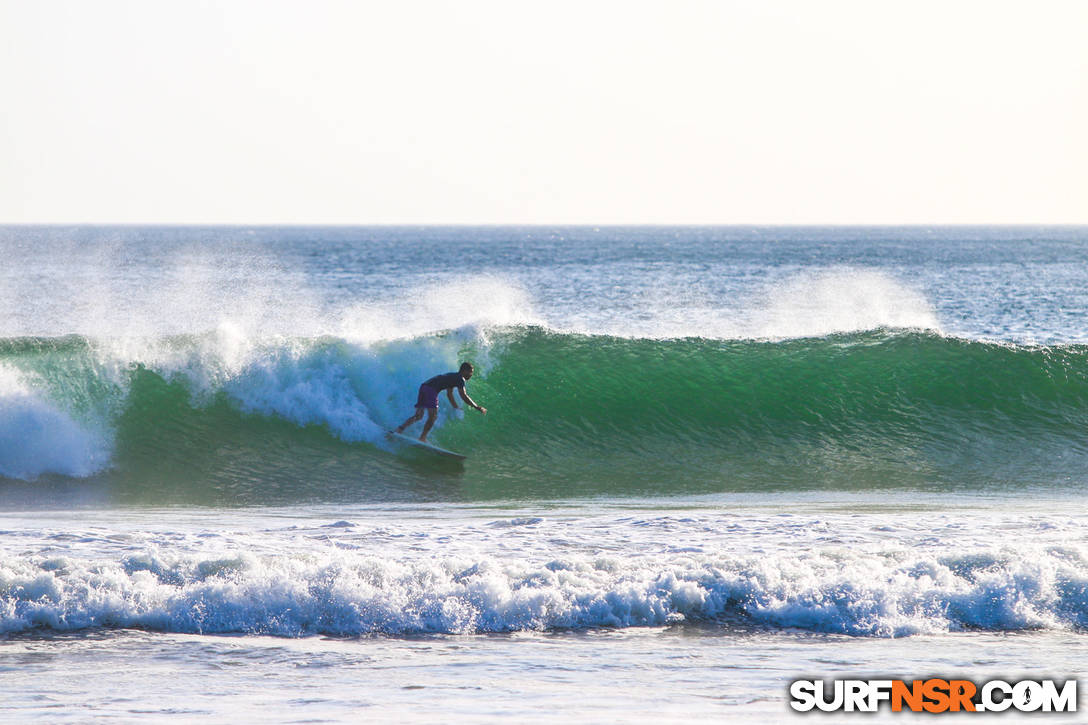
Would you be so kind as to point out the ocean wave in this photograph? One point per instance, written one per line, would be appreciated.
(851, 409)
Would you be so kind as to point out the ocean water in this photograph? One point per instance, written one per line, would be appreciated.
(715, 460)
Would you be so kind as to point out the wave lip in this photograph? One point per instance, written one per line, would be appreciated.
(881, 594)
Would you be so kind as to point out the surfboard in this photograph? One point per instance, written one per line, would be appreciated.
(434, 449)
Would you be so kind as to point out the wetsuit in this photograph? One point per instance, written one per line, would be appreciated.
(429, 390)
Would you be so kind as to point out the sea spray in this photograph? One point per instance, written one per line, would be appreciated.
(839, 300)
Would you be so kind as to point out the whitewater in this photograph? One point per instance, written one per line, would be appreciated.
(715, 460)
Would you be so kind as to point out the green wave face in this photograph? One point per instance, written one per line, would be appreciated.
(569, 415)
(839, 412)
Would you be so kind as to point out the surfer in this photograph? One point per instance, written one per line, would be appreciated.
(428, 397)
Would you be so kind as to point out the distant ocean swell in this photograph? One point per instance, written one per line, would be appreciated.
(562, 405)
(882, 594)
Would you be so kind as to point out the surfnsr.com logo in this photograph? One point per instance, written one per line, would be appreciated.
(933, 695)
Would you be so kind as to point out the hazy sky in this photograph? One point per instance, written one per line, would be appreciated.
(546, 112)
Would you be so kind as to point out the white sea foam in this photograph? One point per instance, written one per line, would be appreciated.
(349, 594)
(37, 437)
(362, 579)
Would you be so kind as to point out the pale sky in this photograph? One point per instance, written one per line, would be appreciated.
(762, 112)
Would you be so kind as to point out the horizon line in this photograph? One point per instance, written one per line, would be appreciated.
(582, 225)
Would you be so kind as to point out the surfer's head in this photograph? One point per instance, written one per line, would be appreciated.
(466, 370)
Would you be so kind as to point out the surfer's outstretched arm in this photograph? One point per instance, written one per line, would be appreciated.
(449, 394)
(468, 401)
